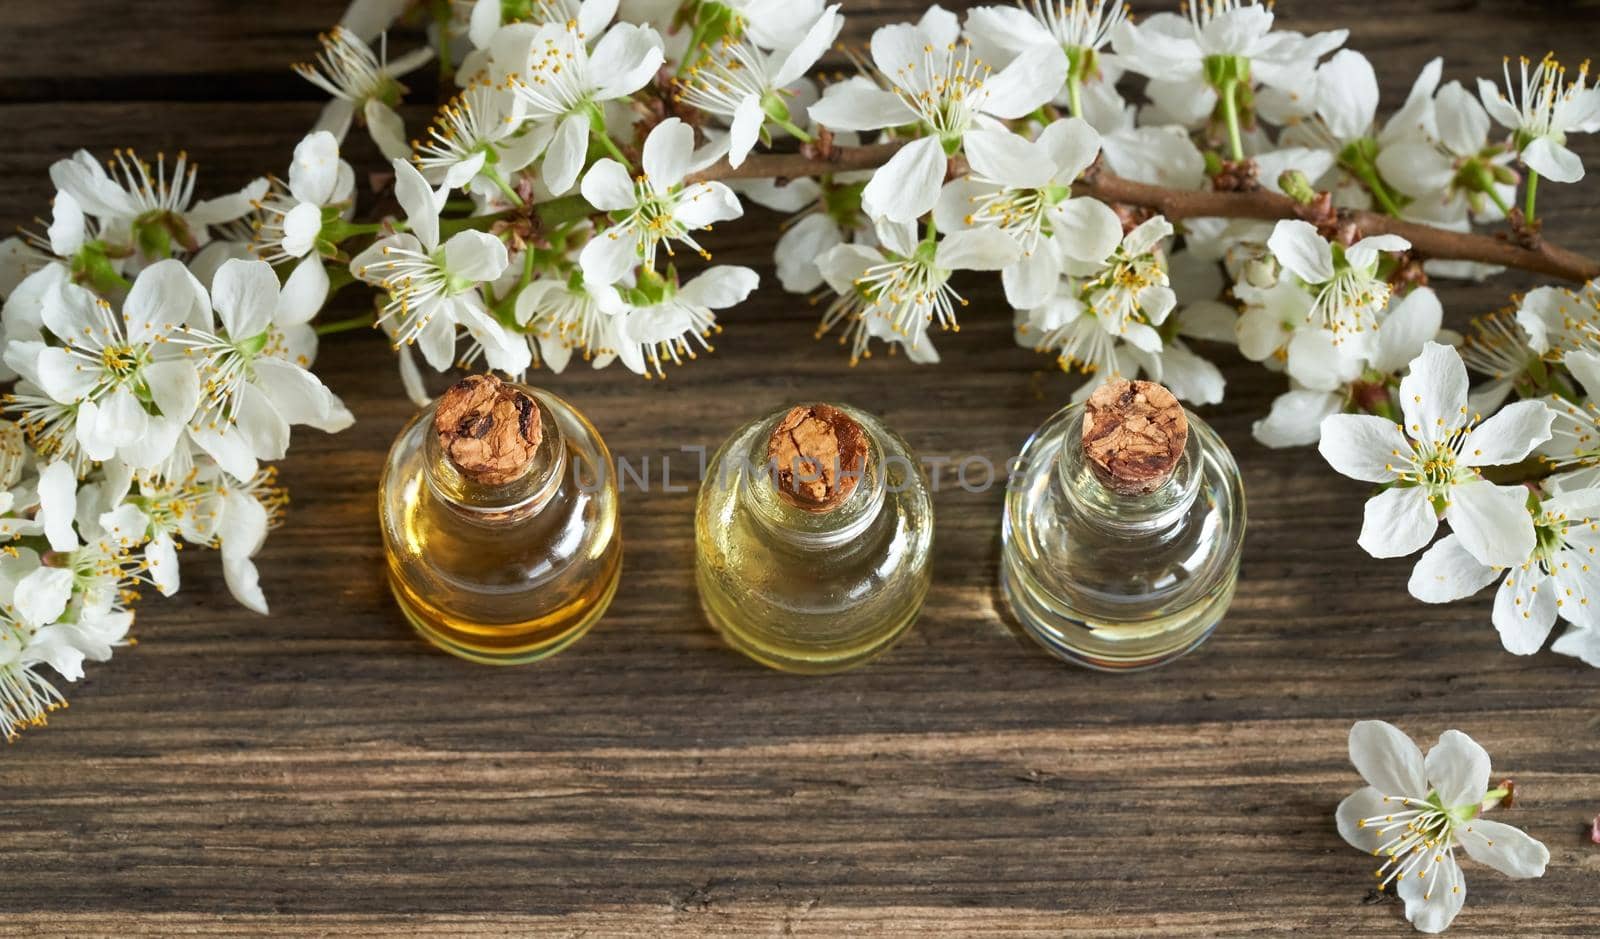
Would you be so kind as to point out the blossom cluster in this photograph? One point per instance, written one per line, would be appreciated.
(156, 370)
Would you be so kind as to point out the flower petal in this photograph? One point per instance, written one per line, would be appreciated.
(420, 202)
(667, 152)
(58, 505)
(387, 129)
(720, 287)
(164, 297)
(1388, 759)
(908, 185)
(1493, 521)
(245, 294)
(563, 160)
(475, 256)
(1408, 326)
(1295, 419)
(1006, 158)
(41, 597)
(609, 186)
(1366, 802)
(1509, 435)
(1446, 572)
(1397, 522)
(1298, 247)
(859, 104)
(1508, 850)
(1525, 609)
(1087, 229)
(624, 60)
(1432, 902)
(175, 387)
(1433, 395)
(1580, 643)
(1458, 769)
(977, 249)
(1363, 446)
(1553, 161)
(704, 204)
(1031, 80)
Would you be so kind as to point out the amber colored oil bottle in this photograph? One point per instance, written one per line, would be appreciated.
(499, 513)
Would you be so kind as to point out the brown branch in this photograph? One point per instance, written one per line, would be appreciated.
(1176, 204)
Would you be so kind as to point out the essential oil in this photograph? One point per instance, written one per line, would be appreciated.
(814, 531)
(499, 512)
(1123, 528)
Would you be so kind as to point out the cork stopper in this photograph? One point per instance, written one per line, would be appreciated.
(489, 430)
(1133, 435)
(819, 454)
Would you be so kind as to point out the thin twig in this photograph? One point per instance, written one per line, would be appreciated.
(1428, 241)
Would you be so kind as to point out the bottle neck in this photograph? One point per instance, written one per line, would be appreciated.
(502, 503)
(1088, 499)
(787, 523)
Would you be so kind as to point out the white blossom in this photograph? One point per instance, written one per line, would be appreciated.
(143, 207)
(936, 82)
(654, 209)
(895, 290)
(363, 83)
(435, 287)
(1541, 110)
(1024, 188)
(745, 85)
(1344, 281)
(1431, 465)
(668, 326)
(559, 80)
(1557, 578)
(1415, 811)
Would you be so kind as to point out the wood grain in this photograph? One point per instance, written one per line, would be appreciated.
(321, 771)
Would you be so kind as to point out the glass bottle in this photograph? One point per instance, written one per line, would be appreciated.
(814, 530)
(499, 512)
(1122, 533)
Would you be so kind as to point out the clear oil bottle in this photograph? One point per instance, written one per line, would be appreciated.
(814, 531)
(499, 513)
(1123, 529)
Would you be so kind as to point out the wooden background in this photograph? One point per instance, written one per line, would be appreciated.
(322, 770)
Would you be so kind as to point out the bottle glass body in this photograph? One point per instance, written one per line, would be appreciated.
(503, 574)
(813, 592)
(1115, 581)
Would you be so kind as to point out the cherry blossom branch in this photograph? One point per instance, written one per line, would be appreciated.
(1429, 241)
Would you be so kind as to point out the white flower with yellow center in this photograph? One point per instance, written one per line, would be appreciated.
(477, 141)
(1541, 110)
(559, 80)
(363, 82)
(1558, 320)
(321, 188)
(1560, 577)
(129, 386)
(745, 85)
(1024, 188)
(1415, 812)
(1349, 293)
(146, 207)
(435, 288)
(669, 323)
(562, 315)
(1431, 465)
(253, 387)
(655, 209)
(934, 80)
(896, 290)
